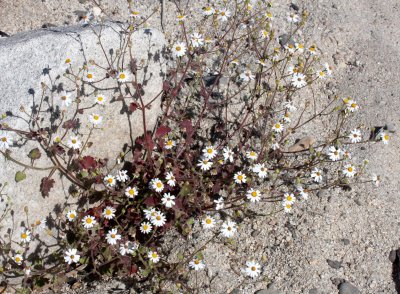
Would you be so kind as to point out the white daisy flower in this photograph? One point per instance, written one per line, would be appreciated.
(25, 236)
(208, 10)
(290, 48)
(66, 63)
(293, 18)
(205, 164)
(158, 220)
(123, 77)
(180, 17)
(289, 198)
(100, 99)
(150, 213)
(328, 69)
(262, 62)
(240, 178)
(146, 227)
(128, 248)
(287, 207)
(109, 212)
(376, 179)
(355, 136)
(209, 152)
(253, 195)
(89, 222)
(320, 74)
(316, 174)
(247, 76)
(346, 154)
(269, 15)
(275, 146)
(299, 47)
(299, 80)
(253, 269)
(171, 180)
(251, 155)
(72, 256)
(86, 18)
(131, 192)
(286, 117)
(223, 15)
(278, 127)
(179, 49)
(109, 181)
(18, 259)
(169, 144)
(113, 236)
(65, 98)
(261, 170)
(228, 229)
(228, 154)
(197, 264)
(349, 170)
(312, 50)
(153, 256)
(71, 215)
(219, 203)
(264, 34)
(74, 143)
(334, 153)
(208, 222)
(95, 119)
(385, 138)
(168, 200)
(352, 106)
(40, 224)
(157, 185)
(303, 193)
(89, 77)
(5, 141)
(134, 14)
(288, 105)
(197, 40)
(122, 176)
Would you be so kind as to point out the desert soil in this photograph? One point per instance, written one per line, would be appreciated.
(354, 230)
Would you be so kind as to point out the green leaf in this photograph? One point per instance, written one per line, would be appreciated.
(34, 154)
(20, 176)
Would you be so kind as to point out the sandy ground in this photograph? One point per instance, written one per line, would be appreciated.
(359, 228)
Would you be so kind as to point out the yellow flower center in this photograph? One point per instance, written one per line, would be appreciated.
(89, 220)
(24, 236)
(178, 48)
(108, 212)
(222, 13)
(169, 143)
(229, 228)
(64, 98)
(72, 256)
(71, 215)
(67, 60)
(145, 227)
(113, 236)
(73, 141)
(99, 98)
(158, 217)
(240, 177)
(17, 259)
(350, 169)
(89, 76)
(208, 221)
(159, 185)
(207, 8)
(277, 126)
(253, 268)
(386, 137)
(181, 17)
(289, 198)
(196, 261)
(318, 174)
(96, 117)
(38, 222)
(110, 180)
(122, 76)
(132, 191)
(288, 206)
(154, 255)
(354, 105)
(254, 194)
(209, 150)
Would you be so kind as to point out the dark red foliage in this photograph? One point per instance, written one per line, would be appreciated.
(46, 185)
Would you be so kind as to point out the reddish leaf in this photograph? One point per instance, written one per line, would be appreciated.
(133, 106)
(166, 86)
(150, 201)
(187, 125)
(70, 124)
(162, 131)
(46, 185)
(149, 142)
(88, 162)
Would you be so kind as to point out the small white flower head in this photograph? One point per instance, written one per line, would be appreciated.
(197, 40)
(122, 176)
(208, 222)
(288, 105)
(197, 264)
(18, 259)
(180, 17)
(25, 236)
(299, 47)
(95, 118)
(219, 203)
(253, 195)
(150, 213)
(321, 74)
(376, 180)
(264, 34)
(157, 185)
(66, 63)
(86, 18)
(113, 236)
(316, 174)
(286, 117)
(153, 256)
(109, 212)
(71, 215)
(179, 49)
(299, 80)
(228, 154)
(247, 76)
(261, 62)
(208, 10)
(171, 180)
(228, 229)
(253, 269)
(385, 138)
(352, 106)
(71, 256)
(278, 127)
(110, 181)
(269, 15)
(27, 271)
(5, 141)
(100, 99)
(346, 154)
(289, 198)
(169, 144)
(223, 15)
(303, 193)
(74, 143)
(261, 170)
(287, 207)
(328, 69)
(205, 164)
(240, 178)
(275, 146)
(251, 155)
(312, 50)
(209, 152)
(349, 170)
(134, 14)
(168, 200)
(128, 248)
(290, 47)
(355, 136)
(89, 77)
(89, 222)
(334, 153)
(131, 192)
(146, 227)
(293, 18)
(40, 224)
(158, 220)
(65, 99)
(123, 77)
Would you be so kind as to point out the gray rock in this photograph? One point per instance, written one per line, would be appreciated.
(346, 241)
(268, 291)
(347, 288)
(392, 256)
(313, 291)
(334, 263)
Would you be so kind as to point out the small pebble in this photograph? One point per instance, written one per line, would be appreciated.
(347, 288)
(334, 263)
